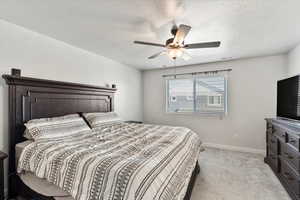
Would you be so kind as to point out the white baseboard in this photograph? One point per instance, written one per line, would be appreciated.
(235, 148)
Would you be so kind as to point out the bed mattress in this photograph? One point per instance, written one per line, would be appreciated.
(39, 185)
(128, 161)
(42, 186)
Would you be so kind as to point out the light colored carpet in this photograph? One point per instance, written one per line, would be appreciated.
(227, 175)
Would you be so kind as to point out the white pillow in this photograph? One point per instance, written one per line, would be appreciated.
(27, 135)
(47, 128)
(100, 118)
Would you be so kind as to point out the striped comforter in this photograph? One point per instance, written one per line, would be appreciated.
(117, 161)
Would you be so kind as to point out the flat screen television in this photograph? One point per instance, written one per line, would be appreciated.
(288, 98)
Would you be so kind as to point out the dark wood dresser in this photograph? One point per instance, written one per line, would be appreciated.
(283, 153)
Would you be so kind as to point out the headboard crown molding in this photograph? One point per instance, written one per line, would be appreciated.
(35, 82)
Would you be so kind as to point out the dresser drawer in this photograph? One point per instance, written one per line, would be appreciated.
(273, 162)
(272, 143)
(293, 140)
(292, 156)
(283, 153)
(291, 178)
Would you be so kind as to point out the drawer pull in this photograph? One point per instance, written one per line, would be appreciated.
(273, 142)
(289, 156)
(273, 130)
(293, 141)
(287, 175)
(291, 178)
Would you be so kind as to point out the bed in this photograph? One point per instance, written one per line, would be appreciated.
(31, 98)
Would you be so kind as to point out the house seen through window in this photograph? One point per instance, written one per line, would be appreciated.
(197, 94)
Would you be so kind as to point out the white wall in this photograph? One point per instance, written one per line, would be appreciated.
(294, 61)
(42, 57)
(252, 97)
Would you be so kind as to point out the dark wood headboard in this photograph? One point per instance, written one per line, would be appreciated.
(31, 98)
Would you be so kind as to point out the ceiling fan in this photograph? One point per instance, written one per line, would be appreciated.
(175, 47)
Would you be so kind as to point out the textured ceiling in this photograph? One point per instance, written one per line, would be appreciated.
(246, 28)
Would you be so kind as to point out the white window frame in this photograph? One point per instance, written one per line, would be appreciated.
(222, 113)
(168, 97)
(214, 104)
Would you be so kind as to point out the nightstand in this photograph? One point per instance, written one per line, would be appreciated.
(2, 157)
(134, 122)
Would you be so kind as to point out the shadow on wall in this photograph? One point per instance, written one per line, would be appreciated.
(4, 118)
(4, 131)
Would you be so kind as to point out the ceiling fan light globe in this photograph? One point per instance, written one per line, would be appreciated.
(175, 53)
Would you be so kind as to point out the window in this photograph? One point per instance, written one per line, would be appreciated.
(207, 94)
(214, 101)
(180, 95)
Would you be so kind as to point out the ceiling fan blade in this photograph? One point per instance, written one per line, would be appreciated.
(149, 43)
(181, 33)
(157, 54)
(186, 56)
(203, 45)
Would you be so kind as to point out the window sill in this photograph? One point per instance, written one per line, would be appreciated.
(200, 114)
